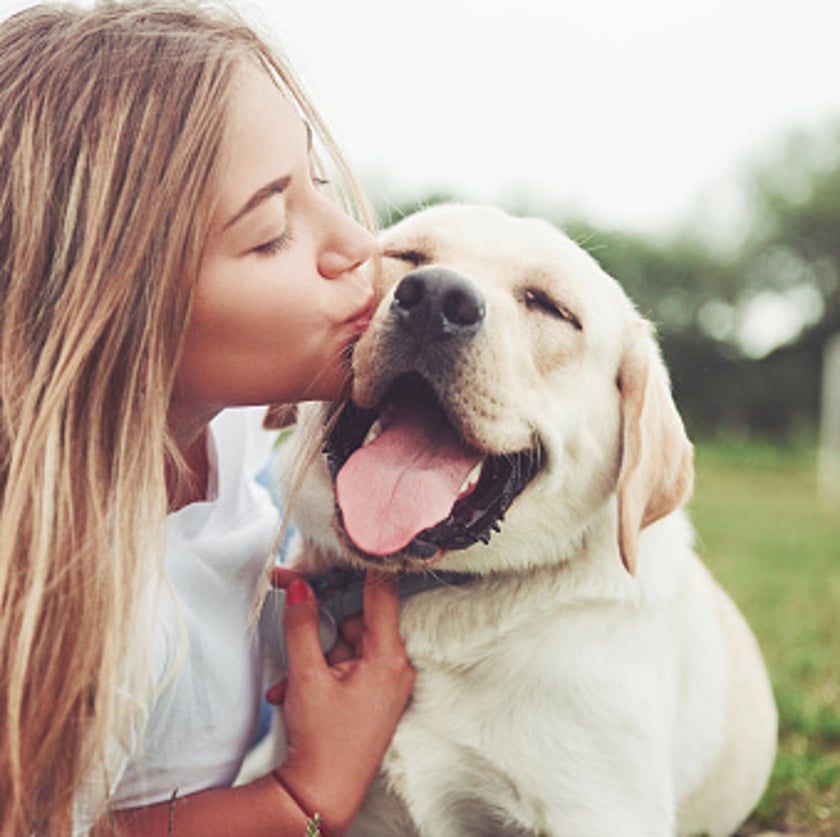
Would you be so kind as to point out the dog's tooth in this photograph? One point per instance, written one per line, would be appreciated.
(381, 424)
(472, 480)
(375, 430)
(475, 475)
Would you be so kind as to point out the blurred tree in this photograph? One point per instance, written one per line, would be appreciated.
(702, 299)
(797, 236)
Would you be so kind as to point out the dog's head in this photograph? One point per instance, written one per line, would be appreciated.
(505, 393)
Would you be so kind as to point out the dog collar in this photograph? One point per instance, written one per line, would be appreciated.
(339, 592)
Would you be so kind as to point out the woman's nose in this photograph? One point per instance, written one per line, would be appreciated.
(349, 246)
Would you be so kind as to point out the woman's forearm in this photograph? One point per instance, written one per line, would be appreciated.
(262, 807)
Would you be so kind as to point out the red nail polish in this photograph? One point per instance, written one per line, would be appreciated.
(297, 592)
(274, 694)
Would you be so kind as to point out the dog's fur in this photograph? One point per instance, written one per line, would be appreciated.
(594, 679)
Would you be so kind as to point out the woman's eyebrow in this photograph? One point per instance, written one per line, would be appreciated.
(275, 187)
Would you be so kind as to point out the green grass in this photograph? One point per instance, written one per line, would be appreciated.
(776, 549)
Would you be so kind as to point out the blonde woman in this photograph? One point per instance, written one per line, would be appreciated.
(166, 251)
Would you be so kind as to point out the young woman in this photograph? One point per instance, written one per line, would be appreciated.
(167, 250)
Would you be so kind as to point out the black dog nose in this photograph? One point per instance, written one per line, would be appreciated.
(434, 303)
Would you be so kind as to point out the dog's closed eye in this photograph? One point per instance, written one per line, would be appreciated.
(536, 300)
(416, 258)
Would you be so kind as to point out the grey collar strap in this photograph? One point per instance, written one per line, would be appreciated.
(340, 590)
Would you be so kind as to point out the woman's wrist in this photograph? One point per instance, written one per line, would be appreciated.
(314, 825)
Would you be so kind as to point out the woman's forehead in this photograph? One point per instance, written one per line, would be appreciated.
(266, 139)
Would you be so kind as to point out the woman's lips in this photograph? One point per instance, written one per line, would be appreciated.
(360, 319)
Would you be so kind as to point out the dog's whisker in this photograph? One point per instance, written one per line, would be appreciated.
(444, 582)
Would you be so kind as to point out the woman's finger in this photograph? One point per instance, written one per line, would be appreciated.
(276, 693)
(382, 613)
(351, 632)
(282, 577)
(341, 652)
(300, 626)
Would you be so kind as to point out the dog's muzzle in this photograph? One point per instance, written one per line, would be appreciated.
(409, 485)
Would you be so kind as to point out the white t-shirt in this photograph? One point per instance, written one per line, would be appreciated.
(205, 659)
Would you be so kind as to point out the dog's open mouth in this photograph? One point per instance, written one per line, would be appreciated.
(406, 482)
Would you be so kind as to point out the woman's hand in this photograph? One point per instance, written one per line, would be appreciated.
(340, 714)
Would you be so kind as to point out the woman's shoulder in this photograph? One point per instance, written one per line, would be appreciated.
(240, 448)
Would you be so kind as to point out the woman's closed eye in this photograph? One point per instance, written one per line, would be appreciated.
(274, 245)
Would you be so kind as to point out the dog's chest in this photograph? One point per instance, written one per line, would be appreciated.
(458, 753)
(511, 701)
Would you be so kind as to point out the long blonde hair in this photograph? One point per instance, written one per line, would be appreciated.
(111, 121)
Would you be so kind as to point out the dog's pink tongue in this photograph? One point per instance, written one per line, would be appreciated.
(403, 482)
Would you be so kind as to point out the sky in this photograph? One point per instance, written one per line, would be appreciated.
(647, 115)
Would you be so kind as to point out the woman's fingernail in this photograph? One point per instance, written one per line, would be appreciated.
(297, 592)
(274, 694)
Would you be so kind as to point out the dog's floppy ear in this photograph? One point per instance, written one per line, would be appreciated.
(657, 471)
(278, 416)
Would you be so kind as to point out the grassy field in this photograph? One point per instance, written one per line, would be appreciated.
(776, 550)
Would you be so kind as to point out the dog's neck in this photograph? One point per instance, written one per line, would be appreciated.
(339, 589)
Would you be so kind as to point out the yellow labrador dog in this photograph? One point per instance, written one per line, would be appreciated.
(512, 441)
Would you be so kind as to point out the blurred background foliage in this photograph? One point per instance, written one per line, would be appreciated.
(742, 326)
